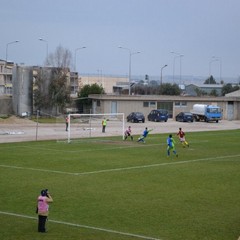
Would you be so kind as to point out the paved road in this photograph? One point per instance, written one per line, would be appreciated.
(21, 130)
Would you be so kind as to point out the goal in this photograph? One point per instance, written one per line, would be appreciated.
(90, 125)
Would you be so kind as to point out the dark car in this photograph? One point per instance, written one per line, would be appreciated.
(185, 117)
(136, 117)
(159, 115)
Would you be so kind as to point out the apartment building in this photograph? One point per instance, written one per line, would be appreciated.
(109, 83)
(6, 69)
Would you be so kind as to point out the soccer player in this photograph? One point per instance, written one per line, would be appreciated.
(144, 135)
(171, 146)
(181, 136)
(128, 133)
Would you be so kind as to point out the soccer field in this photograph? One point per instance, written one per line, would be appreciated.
(106, 188)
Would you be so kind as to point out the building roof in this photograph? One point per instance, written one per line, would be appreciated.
(207, 85)
(233, 94)
(163, 98)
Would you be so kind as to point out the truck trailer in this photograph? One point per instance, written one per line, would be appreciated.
(207, 113)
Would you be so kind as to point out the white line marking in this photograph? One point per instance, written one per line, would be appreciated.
(124, 168)
(37, 169)
(137, 145)
(84, 226)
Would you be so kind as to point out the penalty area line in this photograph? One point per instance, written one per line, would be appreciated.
(84, 226)
(158, 165)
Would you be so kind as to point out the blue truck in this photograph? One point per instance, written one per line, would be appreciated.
(207, 113)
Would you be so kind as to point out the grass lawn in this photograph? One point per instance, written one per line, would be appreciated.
(106, 188)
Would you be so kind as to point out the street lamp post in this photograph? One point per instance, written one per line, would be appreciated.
(43, 40)
(210, 67)
(130, 66)
(161, 72)
(75, 57)
(16, 41)
(220, 66)
(177, 55)
(181, 68)
(99, 71)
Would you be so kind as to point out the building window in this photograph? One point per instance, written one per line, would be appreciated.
(152, 104)
(177, 104)
(98, 103)
(180, 104)
(149, 104)
(145, 104)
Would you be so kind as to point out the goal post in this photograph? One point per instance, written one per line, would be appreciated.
(90, 125)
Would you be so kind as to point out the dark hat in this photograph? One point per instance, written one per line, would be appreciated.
(44, 192)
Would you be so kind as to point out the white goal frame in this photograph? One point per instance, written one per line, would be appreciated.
(122, 115)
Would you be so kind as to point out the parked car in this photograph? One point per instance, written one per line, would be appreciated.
(185, 117)
(159, 115)
(136, 117)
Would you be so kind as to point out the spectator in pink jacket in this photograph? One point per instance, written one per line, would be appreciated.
(42, 209)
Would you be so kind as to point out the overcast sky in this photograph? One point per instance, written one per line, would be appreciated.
(197, 29)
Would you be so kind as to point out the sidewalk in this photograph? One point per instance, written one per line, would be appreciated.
(31, 131)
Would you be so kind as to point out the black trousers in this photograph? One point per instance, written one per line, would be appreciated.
(41, 223)
(103, 128)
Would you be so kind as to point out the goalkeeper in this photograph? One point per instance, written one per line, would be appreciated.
(144, 135)
(128, 133)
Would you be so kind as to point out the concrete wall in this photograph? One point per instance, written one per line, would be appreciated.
(22, 90)
(124, 104)
(6, 106)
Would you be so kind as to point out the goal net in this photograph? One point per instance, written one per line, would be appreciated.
(90, 125)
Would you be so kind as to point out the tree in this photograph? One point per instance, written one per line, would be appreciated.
(59, 89)
(170, 89)
(52, 85)
(210, 80)
(214, 93)
(139, 89)
(164, 89)
(40, 92)
(51, 89)
(200, 92)
(228, 88)
(85, 91)
(61, 58)
(140, 82)
(153, 83)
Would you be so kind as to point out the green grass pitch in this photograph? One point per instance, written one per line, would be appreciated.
(106, 188)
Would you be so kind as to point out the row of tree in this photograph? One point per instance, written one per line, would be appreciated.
(227, 88)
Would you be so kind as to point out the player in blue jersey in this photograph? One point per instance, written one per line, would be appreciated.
(144, 135)
(171, 146)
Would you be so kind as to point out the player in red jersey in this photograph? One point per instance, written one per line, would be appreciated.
(181, 136)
